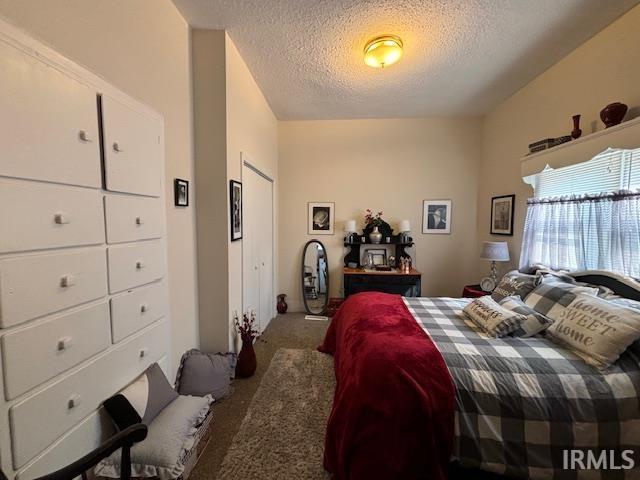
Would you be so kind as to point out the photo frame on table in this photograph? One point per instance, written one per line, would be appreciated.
(436, 216)
(235, 205)
(502, 209)
(181, 192)
(378, 256)
(321, 218)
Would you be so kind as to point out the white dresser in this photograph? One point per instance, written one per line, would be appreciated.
(83, 295)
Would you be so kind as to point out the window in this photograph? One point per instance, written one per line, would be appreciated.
(586, 216)
(610, 171)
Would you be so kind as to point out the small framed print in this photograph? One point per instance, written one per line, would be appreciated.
(181, 192)
(436, 216)
(502, 215)
(320, 218)
(235, 205)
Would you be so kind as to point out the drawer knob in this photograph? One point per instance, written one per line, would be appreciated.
(82, 135)
(144, 352)
(64, 343)
(144, 308)
(117, 147)
(139, 265)
(67, 281)
(61, 218)
(74, 401)
(139, 221)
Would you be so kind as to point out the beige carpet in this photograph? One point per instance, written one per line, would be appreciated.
(282, 434)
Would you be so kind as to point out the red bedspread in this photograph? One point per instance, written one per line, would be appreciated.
(393, 409)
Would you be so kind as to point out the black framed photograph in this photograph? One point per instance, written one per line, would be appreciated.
(502, 215)
(321, 216)
(436, 216)
(181, 192)
(235, 203)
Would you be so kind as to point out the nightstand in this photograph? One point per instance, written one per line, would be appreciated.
(473, 291)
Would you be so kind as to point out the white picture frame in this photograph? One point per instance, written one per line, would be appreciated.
(321, 216)
(436, 216)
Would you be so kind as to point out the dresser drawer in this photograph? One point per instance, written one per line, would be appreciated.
(40, 215)
(62, 280)
(132, 218)
(80, 440)
(136, 309)
(132, 150)
(41, 418)
(134, 265)
(34, 354)
(49, 123)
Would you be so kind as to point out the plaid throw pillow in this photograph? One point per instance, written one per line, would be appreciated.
(515, 283)
(493, 319)
(535, 322)
(553, 293)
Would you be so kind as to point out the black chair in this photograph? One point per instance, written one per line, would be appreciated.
(124, 440)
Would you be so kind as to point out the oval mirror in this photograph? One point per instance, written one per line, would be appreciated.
(315, 277)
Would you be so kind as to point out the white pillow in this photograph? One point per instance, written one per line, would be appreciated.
(595, 329)
(495, 320)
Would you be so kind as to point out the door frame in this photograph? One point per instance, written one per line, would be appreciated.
(245, 161)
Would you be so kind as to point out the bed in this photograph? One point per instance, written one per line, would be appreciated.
(516, 404)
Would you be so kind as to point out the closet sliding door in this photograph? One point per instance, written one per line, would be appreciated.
(257, 246)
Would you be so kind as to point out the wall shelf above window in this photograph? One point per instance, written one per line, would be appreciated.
(623, 136)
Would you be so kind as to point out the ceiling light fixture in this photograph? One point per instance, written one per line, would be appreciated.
(383, 51)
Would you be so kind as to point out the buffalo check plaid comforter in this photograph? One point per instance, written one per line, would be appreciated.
(522, 401)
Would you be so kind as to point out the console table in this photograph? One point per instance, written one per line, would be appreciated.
(358, 280)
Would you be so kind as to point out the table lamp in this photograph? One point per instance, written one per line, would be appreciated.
(405, 229)
(496, 252)
(350, 229)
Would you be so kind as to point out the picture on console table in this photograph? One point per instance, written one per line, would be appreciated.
(181, 192)
(436, 216)
(502, 215)
(321, 218)
(235, 194)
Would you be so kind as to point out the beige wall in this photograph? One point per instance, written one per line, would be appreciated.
(210, 140)
(141, 47)
(389, 165)
(603, 70)
(252, 130)
(231, 117)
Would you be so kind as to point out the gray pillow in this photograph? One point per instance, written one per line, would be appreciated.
(142, 400)
(205, 374)
(171, 435)
(515, 283)
(535, 322)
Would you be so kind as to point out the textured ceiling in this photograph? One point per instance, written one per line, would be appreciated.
(461, 57)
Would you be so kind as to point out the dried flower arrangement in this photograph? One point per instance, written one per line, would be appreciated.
(371, 219)
(245, 329)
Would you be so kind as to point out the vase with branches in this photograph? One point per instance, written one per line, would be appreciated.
(247, 361)
(373, 221)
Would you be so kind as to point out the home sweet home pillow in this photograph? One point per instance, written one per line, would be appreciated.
(495, 320)
(597, 330)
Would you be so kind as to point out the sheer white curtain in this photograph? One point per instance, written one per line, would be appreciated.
(585, 232)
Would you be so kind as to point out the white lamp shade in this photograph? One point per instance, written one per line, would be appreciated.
(350, 226)
(405, 226)
(496, 251)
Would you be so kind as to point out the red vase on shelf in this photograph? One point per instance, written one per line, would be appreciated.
(576, 132)
(247, 361)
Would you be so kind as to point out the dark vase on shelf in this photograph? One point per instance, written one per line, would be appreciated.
(576, 132)
(247, 361)
(613, 114)
(282, 304)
